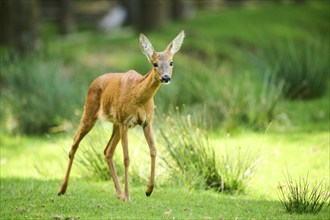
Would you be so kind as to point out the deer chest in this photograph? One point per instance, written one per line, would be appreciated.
(137, 119)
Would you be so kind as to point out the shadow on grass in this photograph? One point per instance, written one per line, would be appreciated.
(33, 198)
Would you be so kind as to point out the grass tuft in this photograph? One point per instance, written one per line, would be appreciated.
(237, 168)
(94, 162)
(195, 163)
(300, 196)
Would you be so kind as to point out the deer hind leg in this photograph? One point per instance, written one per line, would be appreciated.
(123, 137)
(109, 152)
(85, 127)
(86, 124)
(151, 142)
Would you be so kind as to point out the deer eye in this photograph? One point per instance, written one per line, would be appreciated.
(155, 65)
(171, 63)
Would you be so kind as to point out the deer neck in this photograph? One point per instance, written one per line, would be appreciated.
(147, 87)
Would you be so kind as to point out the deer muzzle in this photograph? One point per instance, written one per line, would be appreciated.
(166, 79)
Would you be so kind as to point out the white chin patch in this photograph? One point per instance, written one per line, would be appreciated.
(166, 83)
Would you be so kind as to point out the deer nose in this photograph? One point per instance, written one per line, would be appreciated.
(165, 79)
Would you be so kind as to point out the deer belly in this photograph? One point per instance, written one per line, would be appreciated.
(106, 116)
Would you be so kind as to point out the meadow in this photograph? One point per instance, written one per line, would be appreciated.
(249, 81)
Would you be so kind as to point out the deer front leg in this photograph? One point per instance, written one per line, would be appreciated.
(151, 142)
(123, 136)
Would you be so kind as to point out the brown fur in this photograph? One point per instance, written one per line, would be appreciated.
(125, 99)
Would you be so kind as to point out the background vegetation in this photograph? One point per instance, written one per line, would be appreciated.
(249, 99)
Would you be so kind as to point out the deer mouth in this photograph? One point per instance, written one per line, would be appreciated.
(166, 83)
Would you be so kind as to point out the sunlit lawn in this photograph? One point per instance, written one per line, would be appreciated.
(32, 168)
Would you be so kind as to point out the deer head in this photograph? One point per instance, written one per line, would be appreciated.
(162, 61)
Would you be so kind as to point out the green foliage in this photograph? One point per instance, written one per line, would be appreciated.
(36, 91)
(302, 65)
(245, 99)
(215, 73)
(300, 196)
(254, 102)
(194, 162)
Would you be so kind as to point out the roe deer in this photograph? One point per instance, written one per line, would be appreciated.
(126, 99)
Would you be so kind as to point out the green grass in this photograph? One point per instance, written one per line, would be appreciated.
(37, 199)
(32, 169)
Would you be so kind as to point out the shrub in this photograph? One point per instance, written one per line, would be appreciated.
(230, 101)
(300, 196)
(302, 65)
(195, 163)
(37, 91)
(237, 167)
(253, 102)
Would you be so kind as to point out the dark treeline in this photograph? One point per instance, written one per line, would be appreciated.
(21, 20)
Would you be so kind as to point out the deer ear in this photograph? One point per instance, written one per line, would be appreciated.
(175, 45)
(146, 46)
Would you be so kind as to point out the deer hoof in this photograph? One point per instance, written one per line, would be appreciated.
(123, 197)
(60, 193)
(149, 190)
